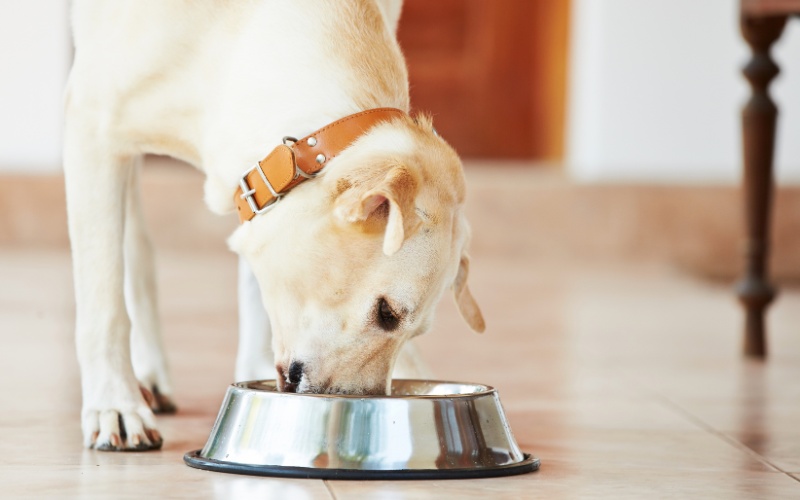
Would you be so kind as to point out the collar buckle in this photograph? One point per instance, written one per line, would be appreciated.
(248, 193)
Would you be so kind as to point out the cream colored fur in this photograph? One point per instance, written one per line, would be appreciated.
(218, 83)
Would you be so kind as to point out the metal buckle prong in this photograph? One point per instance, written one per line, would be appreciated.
(248, 192)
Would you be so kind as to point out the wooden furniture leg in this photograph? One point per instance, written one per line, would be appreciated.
(758, 127)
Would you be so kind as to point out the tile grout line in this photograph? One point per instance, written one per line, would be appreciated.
(725, 437)
(330, 488)
(705, 426)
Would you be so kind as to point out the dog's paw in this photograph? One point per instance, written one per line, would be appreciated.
(158, 402)
(112, 430)
(150, 368)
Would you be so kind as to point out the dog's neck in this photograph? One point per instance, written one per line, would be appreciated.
(335, 60)
(298, 160)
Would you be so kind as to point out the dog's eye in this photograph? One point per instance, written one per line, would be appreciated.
(386, 318)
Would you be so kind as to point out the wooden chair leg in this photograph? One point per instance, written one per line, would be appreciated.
(758, 126)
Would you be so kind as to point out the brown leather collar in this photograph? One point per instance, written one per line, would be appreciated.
(286, 166)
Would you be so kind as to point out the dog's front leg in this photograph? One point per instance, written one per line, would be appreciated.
(410, 364)
(255, 359)
(115, 415)
(147, 349)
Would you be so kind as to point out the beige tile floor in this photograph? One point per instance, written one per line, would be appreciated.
(625, 379)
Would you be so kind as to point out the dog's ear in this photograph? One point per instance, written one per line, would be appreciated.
(466, 303)
(389, 198)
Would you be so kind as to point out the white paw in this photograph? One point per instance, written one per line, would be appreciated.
(115, 415)
(114, 430)
(158, 402)
(150, 367)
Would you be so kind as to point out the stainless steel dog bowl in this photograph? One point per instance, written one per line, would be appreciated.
(424, 430)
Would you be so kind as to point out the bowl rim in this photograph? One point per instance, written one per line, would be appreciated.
(195, 459)
(485, 391)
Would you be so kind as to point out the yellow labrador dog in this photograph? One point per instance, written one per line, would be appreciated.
(350, 233)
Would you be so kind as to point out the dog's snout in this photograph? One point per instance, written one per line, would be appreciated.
(288, 380)
(295, 372)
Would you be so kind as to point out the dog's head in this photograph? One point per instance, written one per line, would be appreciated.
(352, 264)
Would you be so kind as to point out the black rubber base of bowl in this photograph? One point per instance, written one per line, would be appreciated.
(193, 459)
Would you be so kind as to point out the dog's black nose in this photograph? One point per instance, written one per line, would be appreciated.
(289, 380)
(295, 372)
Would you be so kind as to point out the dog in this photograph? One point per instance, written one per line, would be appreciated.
(336, 274)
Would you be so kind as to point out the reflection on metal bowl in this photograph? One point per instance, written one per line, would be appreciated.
(425, 429)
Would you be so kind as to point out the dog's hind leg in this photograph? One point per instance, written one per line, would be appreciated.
(115, 415)
(147, 349)
(255, 359)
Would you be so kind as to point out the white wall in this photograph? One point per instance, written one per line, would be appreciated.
(34, 61)
(656, 91)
